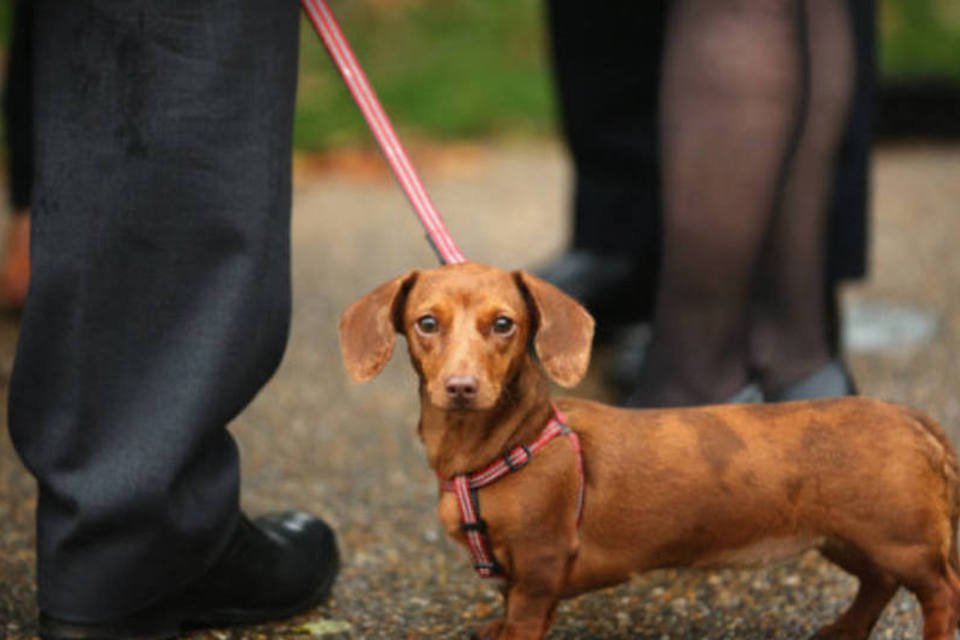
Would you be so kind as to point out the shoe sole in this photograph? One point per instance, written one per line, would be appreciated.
(169, 629)
(158, 630)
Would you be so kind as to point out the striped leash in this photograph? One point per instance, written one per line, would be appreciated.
(323, 20)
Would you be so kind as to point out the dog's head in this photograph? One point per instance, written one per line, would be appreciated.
(469, 328)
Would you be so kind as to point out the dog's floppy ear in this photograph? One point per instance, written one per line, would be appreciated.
(564, 329)
(368, 327)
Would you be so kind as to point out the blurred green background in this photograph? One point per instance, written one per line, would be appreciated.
(920, 38)
(442, 68)
(448, 69)
(471, 68)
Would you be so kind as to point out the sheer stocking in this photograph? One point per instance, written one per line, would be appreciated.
(738, 140)
(789, 335)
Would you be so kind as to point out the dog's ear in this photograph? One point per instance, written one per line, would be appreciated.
(369, 326)
(563, 329)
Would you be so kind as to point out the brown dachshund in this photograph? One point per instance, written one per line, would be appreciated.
(872, 485)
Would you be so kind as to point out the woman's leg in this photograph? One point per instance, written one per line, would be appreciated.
(789, 338)
(731, 86)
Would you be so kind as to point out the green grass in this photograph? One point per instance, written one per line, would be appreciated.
(920, 38)
(442, 68)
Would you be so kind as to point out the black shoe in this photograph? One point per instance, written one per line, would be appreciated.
(829, 381)
(614, 288)
(749, 394)
(274, 567)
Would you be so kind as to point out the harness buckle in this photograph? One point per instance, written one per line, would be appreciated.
(479, 526)
(517, 466)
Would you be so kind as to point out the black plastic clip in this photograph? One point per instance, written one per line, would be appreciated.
(480, 526)
(515, 467)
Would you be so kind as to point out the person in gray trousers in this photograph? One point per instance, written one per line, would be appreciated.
(159, 306)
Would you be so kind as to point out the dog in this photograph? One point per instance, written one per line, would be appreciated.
(872, 485)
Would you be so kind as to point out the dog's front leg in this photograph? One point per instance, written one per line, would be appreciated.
(530, 597)
(528, 616)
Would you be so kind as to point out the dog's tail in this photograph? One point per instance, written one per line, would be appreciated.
(946, 459)
(950, 470)
(951, 475)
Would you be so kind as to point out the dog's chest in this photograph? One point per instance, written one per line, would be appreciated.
(449, 514)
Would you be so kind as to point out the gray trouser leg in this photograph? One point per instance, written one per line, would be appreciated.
(160, 297)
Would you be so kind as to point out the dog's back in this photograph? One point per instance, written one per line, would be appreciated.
(736, 484)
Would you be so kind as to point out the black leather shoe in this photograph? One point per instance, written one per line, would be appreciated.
(274, 567)
(614, 288)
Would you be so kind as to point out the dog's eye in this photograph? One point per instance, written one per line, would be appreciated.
(503, 325)
(427, 324)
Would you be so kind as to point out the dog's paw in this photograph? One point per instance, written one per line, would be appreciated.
(489, 631)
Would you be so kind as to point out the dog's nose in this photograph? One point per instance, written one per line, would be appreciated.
(461, 387)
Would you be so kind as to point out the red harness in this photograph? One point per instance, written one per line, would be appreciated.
(467, 486)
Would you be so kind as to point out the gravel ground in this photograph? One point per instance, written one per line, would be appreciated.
(315, 441)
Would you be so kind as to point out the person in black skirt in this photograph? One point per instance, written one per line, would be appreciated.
(610, 64)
